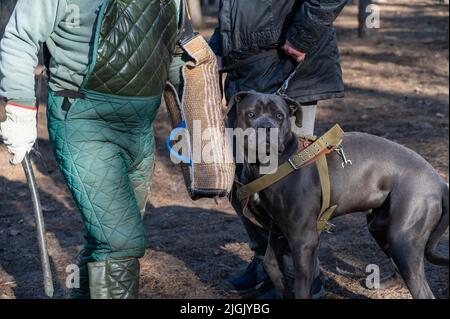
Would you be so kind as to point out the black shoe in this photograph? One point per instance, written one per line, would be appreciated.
(253, 279)
(270, 295)
(317, 289)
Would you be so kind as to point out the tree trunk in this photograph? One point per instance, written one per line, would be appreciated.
(195, 9)
(362, 17)
(6, 8)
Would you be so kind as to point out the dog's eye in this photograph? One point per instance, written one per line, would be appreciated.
(280, 116)
(250, 115)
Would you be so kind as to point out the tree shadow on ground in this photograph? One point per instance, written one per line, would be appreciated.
(19, 251)
(199, 238)
(342, 255)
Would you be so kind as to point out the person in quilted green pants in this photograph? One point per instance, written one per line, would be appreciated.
(110, 60)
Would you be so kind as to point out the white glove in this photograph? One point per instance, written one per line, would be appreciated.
(19, 131)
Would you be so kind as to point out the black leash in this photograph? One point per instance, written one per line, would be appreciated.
(283, 89)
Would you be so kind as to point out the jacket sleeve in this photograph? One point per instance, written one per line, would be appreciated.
(31, 24)
(216, 42)
(312, 21)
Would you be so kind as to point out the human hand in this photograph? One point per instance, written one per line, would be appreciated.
(19, 131)
(290, 50)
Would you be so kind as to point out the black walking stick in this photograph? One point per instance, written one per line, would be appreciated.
(40, 227)
(37, 207)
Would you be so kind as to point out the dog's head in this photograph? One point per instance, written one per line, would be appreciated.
(252, 110)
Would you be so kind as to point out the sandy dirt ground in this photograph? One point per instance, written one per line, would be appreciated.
(397, 87)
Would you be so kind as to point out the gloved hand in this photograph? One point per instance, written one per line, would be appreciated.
(19, 131)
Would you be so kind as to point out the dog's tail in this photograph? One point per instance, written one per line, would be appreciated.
(438, 232)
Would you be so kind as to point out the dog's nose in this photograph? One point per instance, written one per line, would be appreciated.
(266, 123)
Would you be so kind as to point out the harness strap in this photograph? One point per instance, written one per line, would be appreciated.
(316, 151)
(251, 217)
(326, 211)
(322, 146)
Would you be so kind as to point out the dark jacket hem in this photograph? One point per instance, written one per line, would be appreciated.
(317, 96)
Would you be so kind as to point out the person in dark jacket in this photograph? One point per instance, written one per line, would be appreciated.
(259, 44)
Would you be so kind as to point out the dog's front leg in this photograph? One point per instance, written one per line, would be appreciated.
(274, 269)
(303, 254)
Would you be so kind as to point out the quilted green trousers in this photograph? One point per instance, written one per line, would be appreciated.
(104, 147)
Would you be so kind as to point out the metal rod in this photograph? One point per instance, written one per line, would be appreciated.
(41, 236)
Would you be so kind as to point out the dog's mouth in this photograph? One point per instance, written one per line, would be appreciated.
(272, 148)
(270, 145)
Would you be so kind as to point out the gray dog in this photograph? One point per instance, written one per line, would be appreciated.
(407, 198)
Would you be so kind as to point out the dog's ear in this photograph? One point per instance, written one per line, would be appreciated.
(295, 109)
(232, 108)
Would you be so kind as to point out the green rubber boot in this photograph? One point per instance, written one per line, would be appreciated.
(114, 279)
